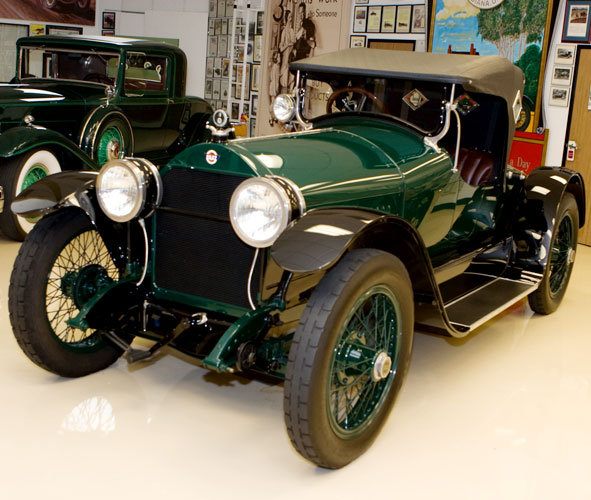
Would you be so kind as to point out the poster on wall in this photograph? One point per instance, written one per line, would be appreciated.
(522, 38)
(50, 12)
(296, 29)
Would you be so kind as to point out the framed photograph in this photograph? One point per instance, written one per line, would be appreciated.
(565, 54)
(234, 114)
(225, 67)
(213, 8)
(218, 26)
(357, 41)
(239, 69)
(108, 20)
(562, 75)
(37, 29)
(418, 19)
(257, 52)
(238, 91)
(374, 19)
(224, 89)
(67, 30)
(229, 8)
(403, 19)
(217, 87)
(209, 63)
(217, 67)
(223, 45)
(212, 48)
(221, 8)
(576, 21)
(224, 26)
(255, 77)
(360, 20)
(260, 22)
(108, 32)
(254, 104)
(208, 88)
(408, 45)
(361, 1)
(559, 96)
(388, 18)
(211, 27)
(253, 127)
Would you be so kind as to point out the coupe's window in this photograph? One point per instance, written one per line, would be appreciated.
(145, 73)
(65, 64)
(419, 103)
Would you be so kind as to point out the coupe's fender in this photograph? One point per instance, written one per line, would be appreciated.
(54, 191)
(18, 140)
(92, 124)
(543, 191)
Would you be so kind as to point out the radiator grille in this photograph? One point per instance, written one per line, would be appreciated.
(197, 252)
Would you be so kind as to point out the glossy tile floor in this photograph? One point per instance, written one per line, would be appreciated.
(503, 414)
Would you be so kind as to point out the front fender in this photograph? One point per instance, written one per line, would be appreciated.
(54, 191)
(543, 191)
(18, 140)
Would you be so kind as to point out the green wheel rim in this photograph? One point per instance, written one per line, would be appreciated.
(83, 251)
(110, 146)
(364, 362)
(562, 255)
(36, 173)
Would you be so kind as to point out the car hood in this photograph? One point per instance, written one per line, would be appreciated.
(349, 164)
(43, 92)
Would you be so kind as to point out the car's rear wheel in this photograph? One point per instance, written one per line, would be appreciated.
(349, 357)
(113, 140)
(549, 295)
(16, 175)
(60, 266)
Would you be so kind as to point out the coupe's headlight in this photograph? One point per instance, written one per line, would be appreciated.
(123, 185)
(284, 108)
(261, 208)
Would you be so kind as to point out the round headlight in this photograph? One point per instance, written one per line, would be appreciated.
(260, 210)
(284, 108)
(121, 190)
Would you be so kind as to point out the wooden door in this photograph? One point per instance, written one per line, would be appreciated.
(580, 126)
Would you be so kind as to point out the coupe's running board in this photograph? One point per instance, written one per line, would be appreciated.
(473, 309)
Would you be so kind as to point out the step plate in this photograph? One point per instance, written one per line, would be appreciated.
(481, 305)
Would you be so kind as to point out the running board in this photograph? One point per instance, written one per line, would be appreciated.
(475, 308)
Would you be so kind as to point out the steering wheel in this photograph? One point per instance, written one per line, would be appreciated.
(98, 78)
(354, 98)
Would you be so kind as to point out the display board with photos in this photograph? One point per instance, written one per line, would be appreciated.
(376, 20)
(219, 90)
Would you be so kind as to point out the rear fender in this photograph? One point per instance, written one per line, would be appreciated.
(93, 122)
(543, 192)
(19, 140)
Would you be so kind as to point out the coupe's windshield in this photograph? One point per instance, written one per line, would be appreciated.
(418, 103)
(67, 64)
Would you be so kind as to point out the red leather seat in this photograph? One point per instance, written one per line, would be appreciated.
(475, 167)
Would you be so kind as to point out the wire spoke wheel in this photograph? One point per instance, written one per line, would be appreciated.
(111, 145)
(66, 282)
(62, 264)
(348, 358)
(561, 258)
(364, 362)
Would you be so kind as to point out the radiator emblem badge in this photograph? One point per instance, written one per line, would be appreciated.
(211, 157)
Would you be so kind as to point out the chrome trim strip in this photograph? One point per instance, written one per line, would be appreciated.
(249, 283)
(83, 130)
(1, 199)
(143, 225)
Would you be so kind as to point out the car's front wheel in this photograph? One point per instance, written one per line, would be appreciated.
(16, 175)
(60, 266)
(349, 357)
(549, 295)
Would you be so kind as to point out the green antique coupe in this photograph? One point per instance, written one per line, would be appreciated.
(312, 256)
(77, 102)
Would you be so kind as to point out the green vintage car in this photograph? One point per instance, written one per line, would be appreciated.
(77, 102)
(312, 256)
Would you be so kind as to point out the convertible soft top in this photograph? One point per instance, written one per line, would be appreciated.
(487, 74)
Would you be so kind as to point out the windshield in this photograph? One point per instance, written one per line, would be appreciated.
(68, 64)
(417, 103)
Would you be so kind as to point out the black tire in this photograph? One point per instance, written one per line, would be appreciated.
(362, 278)
(113, 140)
(549, 295)
(527, 107)
(16, 174)
(60, 244)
